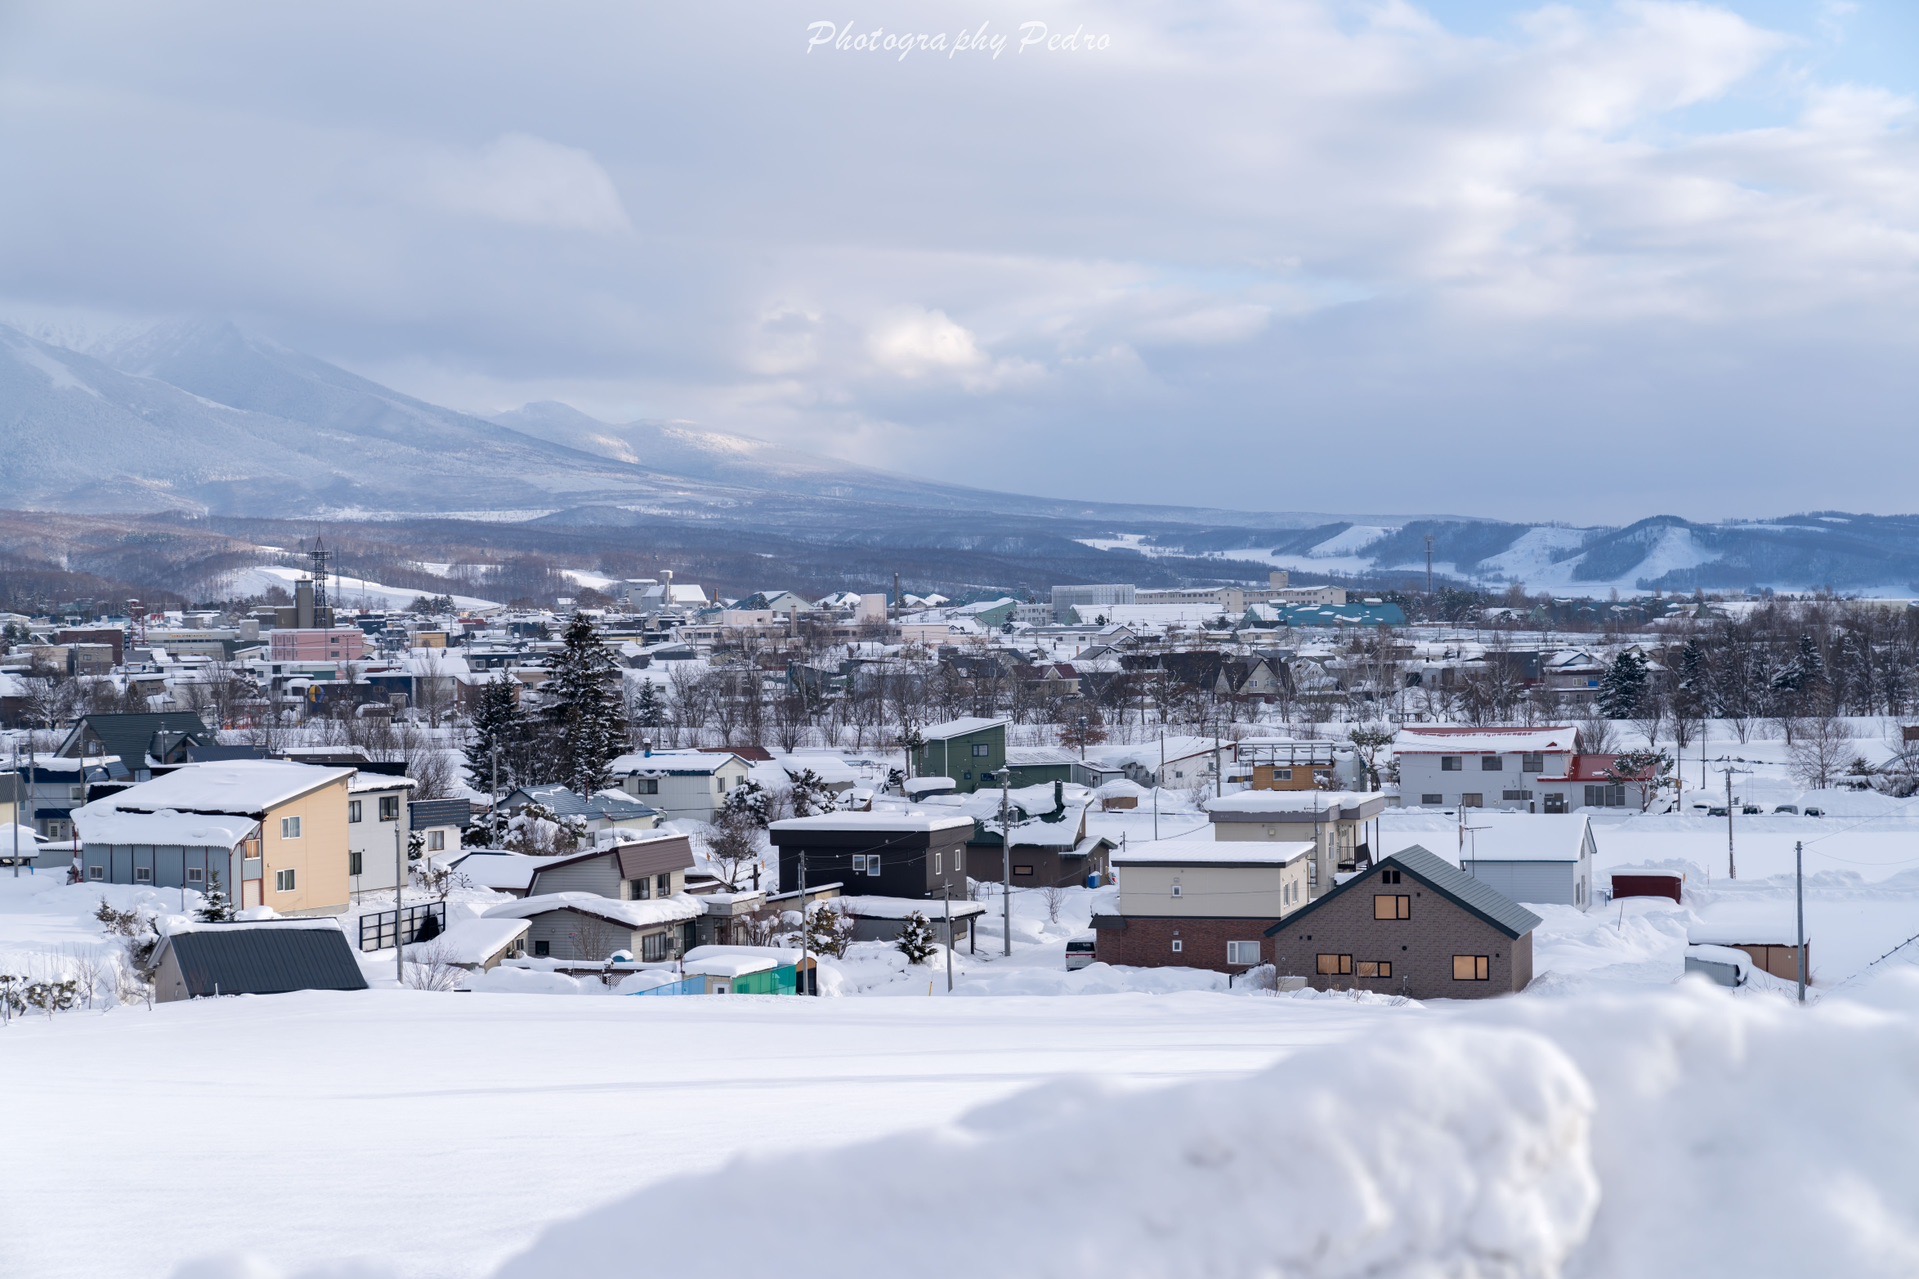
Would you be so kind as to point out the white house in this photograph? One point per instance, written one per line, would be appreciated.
(685, 785)
(1529, 857)
(376, 825)
(1447, 767)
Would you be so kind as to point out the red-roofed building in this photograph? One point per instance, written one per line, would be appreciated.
(1593, 781)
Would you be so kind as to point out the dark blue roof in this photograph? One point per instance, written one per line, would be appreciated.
(1473, 896)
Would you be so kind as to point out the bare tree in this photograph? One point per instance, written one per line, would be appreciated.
(431, 967)
(1821, 751)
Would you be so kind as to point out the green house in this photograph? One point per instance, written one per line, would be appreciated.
(965, 750)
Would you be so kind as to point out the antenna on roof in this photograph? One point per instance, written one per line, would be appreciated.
(317, 569)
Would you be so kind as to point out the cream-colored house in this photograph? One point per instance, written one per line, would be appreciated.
(271, 832)
(1194, 903)
(1344, 825)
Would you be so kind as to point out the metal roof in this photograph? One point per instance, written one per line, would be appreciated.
(265, 959)
(1469, 894)
(132, 736)
(441, 812)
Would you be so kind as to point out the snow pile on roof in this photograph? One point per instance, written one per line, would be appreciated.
(961, 727)
(100, 823)
(634, 914)
(876, 821)
(874, 907)
(1441, 740)
(225, 786)
(469, 941)
(1211, 852)
(499, 870)
(1290, 801)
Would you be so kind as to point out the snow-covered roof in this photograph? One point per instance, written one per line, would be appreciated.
(965, 725)
(1210, 852)
(470, 941)
(1427, 739)
(634, 914)
(877, 821)
(1525, 837)
(101, 824)
(227, 786)
(488, 868)
(362, 783)
(1289, 802)
(671, 762)
(905, 908)
(728, 965)
(1039, 756)
(11, 831)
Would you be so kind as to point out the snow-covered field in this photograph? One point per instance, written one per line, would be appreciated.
(347, 592)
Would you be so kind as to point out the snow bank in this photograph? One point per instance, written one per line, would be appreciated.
(1455, 1152)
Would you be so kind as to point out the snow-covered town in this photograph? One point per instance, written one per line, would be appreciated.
(487, 880)
(1047, 639)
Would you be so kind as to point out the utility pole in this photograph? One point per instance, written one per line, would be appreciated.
(1158, 779)
(1732, 867)
(1799, 896)
(1006, 862)
(946, 897)
(1429, 563)
(399, 906)
(19, 803)
(1218, 776)
(804, 937)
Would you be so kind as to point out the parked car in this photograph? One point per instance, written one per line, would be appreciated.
(1815, 812)
(1080, 951)
(1786, 808)
(1751, 810)
(1717, 810)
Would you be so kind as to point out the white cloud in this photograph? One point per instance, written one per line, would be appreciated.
(528, 181)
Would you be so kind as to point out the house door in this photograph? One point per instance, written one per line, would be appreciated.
(250, 893)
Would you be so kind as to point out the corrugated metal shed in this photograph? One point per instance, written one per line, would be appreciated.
(262, 959)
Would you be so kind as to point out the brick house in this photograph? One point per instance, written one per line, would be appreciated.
(1201, 903)
(1412, 924)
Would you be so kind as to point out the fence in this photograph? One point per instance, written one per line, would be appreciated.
(423, 923)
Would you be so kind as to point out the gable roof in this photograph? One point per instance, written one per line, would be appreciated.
(1429, 739)
(265, 958)
(1473, 896)
(248, 787)
(132, 736)
(965, 726)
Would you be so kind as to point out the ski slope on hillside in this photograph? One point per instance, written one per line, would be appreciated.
(346, 592)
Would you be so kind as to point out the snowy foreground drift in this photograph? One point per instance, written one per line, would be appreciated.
(1680, 1133)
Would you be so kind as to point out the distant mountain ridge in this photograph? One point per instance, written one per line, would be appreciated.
(199, 416)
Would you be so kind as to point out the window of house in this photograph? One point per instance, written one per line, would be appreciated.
(196, 874)
(936, 864)
(1178, 945)
(642, 889)
(542, 949)
(1242, 952)
(873, 864)
(1312, 872)
(78, 794)
(981, 750)
(283, 881)
(1374, 968)
(1431, 801)
(1282, 774)
(1516, 794)
(1491, 763)
(1389, 876)
(1449, 763)
(355, 863)
(1555, 802)
(436, 841)
(646, 786)
(1532, 762)
(654, 946)
(1022, 870)
(389, 808)
(353, 810)
(1606, 796)
(143, 874)
(96, 872)
(1472, 799)
(663, 884)
(1471, 968)
(289, 828)
(1392, 906)
(1176, 890)
(1335, 965)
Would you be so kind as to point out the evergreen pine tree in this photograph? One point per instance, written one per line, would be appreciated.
(1623, 687)
(584, 709)
(811, 795)
(497, 725)
(215, 907)
(916, 939)
(647, 711)
(828, 932)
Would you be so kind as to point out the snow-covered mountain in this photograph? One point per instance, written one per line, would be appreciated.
(202, 417)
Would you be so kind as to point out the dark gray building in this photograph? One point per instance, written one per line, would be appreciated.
(262, 957)
(876, 854)
(1412, 924)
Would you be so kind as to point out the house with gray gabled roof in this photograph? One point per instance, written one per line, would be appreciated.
(257, 957)
(603, 810)
(1411, 924)
(140, 741)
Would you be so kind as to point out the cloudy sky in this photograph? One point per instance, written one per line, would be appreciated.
(1581, 261)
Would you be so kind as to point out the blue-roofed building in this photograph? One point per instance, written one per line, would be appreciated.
(1361, 613)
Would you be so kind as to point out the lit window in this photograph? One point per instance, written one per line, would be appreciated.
(1471, 968)
(1374, 968)
(1392, 906)
(1335, 965)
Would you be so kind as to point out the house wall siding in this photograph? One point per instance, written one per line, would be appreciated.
(318, 858)
(373, 839)
(597, 875)
(1553, 883)
(1420, 948)
(1147, 941)
(1238, 892)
